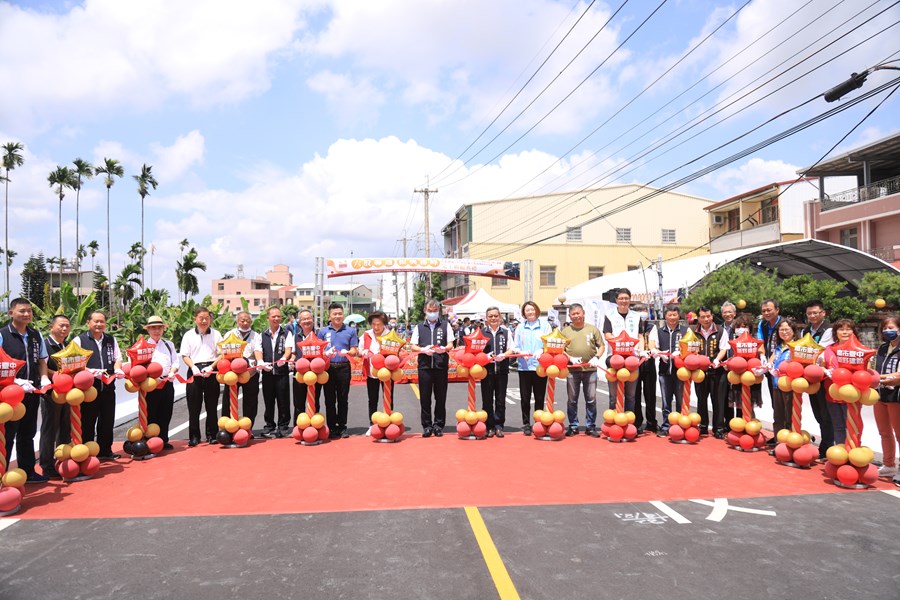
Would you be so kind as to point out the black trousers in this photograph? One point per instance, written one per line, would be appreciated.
(159, 408)
(99, 417)
(530, 384)
(337, 392)
(21, 434)
(373, 389)
(299, 391)
(276, 391)
(55, 430)
(820, 411)
(707, 390)
(249, 398)
(493, 398)
(433, 382)
(646, 385)
(202, 392)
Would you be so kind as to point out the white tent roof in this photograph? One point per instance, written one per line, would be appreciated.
(477, 302)
(816, 258)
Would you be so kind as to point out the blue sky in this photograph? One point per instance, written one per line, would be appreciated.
(283, 130)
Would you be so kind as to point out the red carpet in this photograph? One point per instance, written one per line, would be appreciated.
(357, 474)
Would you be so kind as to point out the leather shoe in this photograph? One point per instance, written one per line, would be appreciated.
(193, 442)
(427, 433)
(592, 431)
(110, 456)
(490, 433)
(212, 441)
(438, 432)
(499, 432)
(168, 446)
(527, 430)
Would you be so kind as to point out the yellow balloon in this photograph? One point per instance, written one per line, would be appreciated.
(130, 387)
(476, 371)
(396, 417)
(782, 434)
(18, 412)
(695, 418)
(547, 419)
(232, 425)
(741, 304)
(784, 384)
(482, 415)
(245, 376)
(880, 303)
(737, 424)
(848, 393)
(461, 371)
(303, 420)
(383, 419)
(813, 388)
(621, 419)
(152, 430)
(222, 422)
(631, 416)
(612, 375)
(684, 421)
(552, 371)
(6, 412)
(634, 375)
(90, 394)
(870, 397)
(59, 398)
(134, 434)
(461, 415)
(471, 417)
(609, 415)
(683, 374)
(753, 427)
(245, 423)
(322, 378)
(397, 376)
(309, 378)
(674, 417)
(79, 453)
(230, 378)
(14, 478)
(794, 440)
(698, 376)
(733, 378)
(748, 378)
(62, 452)
(860, 457)
(317, 420)
(93, 447)
(837, 455)
(74, 397)
(220, 377)
(800, 385)
(149, 384)
(559, 416)
(623, 374)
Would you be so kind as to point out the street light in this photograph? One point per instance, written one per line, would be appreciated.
(854, 83)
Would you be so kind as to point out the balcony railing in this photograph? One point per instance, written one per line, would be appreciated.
(885, 253)
(879, 189)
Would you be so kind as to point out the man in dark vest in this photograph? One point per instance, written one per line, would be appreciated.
(669, 387)
(433, 338)
(23, 342)
(767, 331)
(98, 417)
(276, 344)
(708, 389)
(250, 390)
(55, 425)
(493, 386)
(645, 386)
(820, 330)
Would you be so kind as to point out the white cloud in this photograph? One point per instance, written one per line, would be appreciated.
(750, 175)
(351, 102)
(171, 162)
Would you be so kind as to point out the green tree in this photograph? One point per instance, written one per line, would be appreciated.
(101, 287)
(882, 285)
(124, 284)
(10, 255)
(796, 291)
(184, 272)
(12, 158)
(732, 282)
(417, 310)
(145, 182)
(62, 178)
(34, 278)
(83, 170)
(94, 247)
(110, 168)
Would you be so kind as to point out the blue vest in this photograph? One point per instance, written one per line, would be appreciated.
(14, 345)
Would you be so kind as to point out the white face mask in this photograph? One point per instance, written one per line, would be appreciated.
(741, 331)
(431, 316)
(242, 330)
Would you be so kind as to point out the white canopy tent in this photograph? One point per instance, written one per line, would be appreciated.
(476, 303)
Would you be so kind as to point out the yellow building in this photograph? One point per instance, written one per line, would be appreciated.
(573, 237)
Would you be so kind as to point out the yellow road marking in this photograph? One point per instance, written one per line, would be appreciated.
(415, 390)
(495, 565)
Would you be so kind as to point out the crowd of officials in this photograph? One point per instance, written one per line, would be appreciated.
(272, 350)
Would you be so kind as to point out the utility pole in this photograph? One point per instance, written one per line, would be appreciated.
(426, 192)
(659, 293)
(405, 287)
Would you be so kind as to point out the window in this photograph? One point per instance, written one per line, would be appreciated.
(256, 302)
(668, 236)
(769, 211)
(623, 235)
(595, 272)
(850, 237)
(734, 219)
(221, 287)
(499, 282)
(548, 276)
(573, 234)
(634, 267)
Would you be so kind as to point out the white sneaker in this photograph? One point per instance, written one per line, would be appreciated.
(369, 434)
(887, 471)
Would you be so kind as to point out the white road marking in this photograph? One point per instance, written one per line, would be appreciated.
(721, 507)
(671, 512)
(893, 493)
(185, 425)
(4, 523)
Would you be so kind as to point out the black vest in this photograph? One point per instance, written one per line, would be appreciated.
(817, 335)
(14, 345)
(107, 347)
(53, 348)
(668, 342)
(271, 352)
(886, 362)
(439, 338)
(709, 347)
(498, 345)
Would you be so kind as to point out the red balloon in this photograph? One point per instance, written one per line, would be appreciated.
(10, 498)
(861, 380)
(323, 433)
(155, 445)
(747, 442)
(792, 369)
(463, 429)
(310, 434)
(632, 363)
(239, 365)
(841, 376)
(617, 361)
(703, 362)
(538, 429)
(805, 454)
(376, 432)
(223, 366)
(138, 373)
(392, 362)
(561, 361)
(467, 360)
(545, 360)
(737, 364)
(733, 438)
(302, 365)
(402, 428)
(12, 395)
(69, 469)
(296, 433)
(616, 432)
(676, 433)
(848, 475)
(317, 365)
(154, 370)
(678, 362)
(556, 431)
(692, 434)
(83, 380)
(783, 452)
(868, 474)
(62, 383)
(479, 429)
(876, 378)
(813, 373)
(241, 437)
(630, 431)
(760, 440)
(91, 466)
(393, 431)
(126, 368)
(753, 363)
(831, 470)
(604, 429)
(378, 361)
(692, 362)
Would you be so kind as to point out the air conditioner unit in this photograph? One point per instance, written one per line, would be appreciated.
(718, 219)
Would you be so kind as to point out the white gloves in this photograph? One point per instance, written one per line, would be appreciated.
(25, 385)
(439, 350)
(45, 381)
(343, 352)
(595, 362)
(537, 354)
(195, 370)
(207, 369)
(266, 366)
(428, 350)
(120, 374)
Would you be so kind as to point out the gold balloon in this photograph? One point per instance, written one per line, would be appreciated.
(805, 350)
(232, 346)
(72, 358)
(391, 343)
(555, 342)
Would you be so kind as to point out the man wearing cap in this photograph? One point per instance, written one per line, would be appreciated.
(161, 400)
(99, 417)
(342, 344)
(252, 354)
(199, 350)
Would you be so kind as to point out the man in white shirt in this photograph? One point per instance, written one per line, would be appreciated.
(161, 400)
(617, 321)
(199, 351)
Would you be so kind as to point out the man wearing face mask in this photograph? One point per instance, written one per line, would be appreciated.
(252, 352)
(433, 338)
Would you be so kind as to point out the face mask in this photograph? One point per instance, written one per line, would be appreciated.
(431, 316)
(242, 330)
(741, 330)
(889, 334)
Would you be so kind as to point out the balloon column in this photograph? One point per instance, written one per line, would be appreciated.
(311, 367)
(799, 375)
(74, 385)
(141, 375)
(851, 465)
(549, 424)
(11, 409)
(690, 367)
(232, 369)
(471, 424)
(618, 425)
(743, 367)
(387, 425)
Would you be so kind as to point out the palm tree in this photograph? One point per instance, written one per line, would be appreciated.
(125, 282)
(187, 281)
(10, 255)
(136, 253)
(182, 245)
(82, 169)
(62, 178)
(145, 182)
(12, 158)
(94, 246)
(111, 168)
